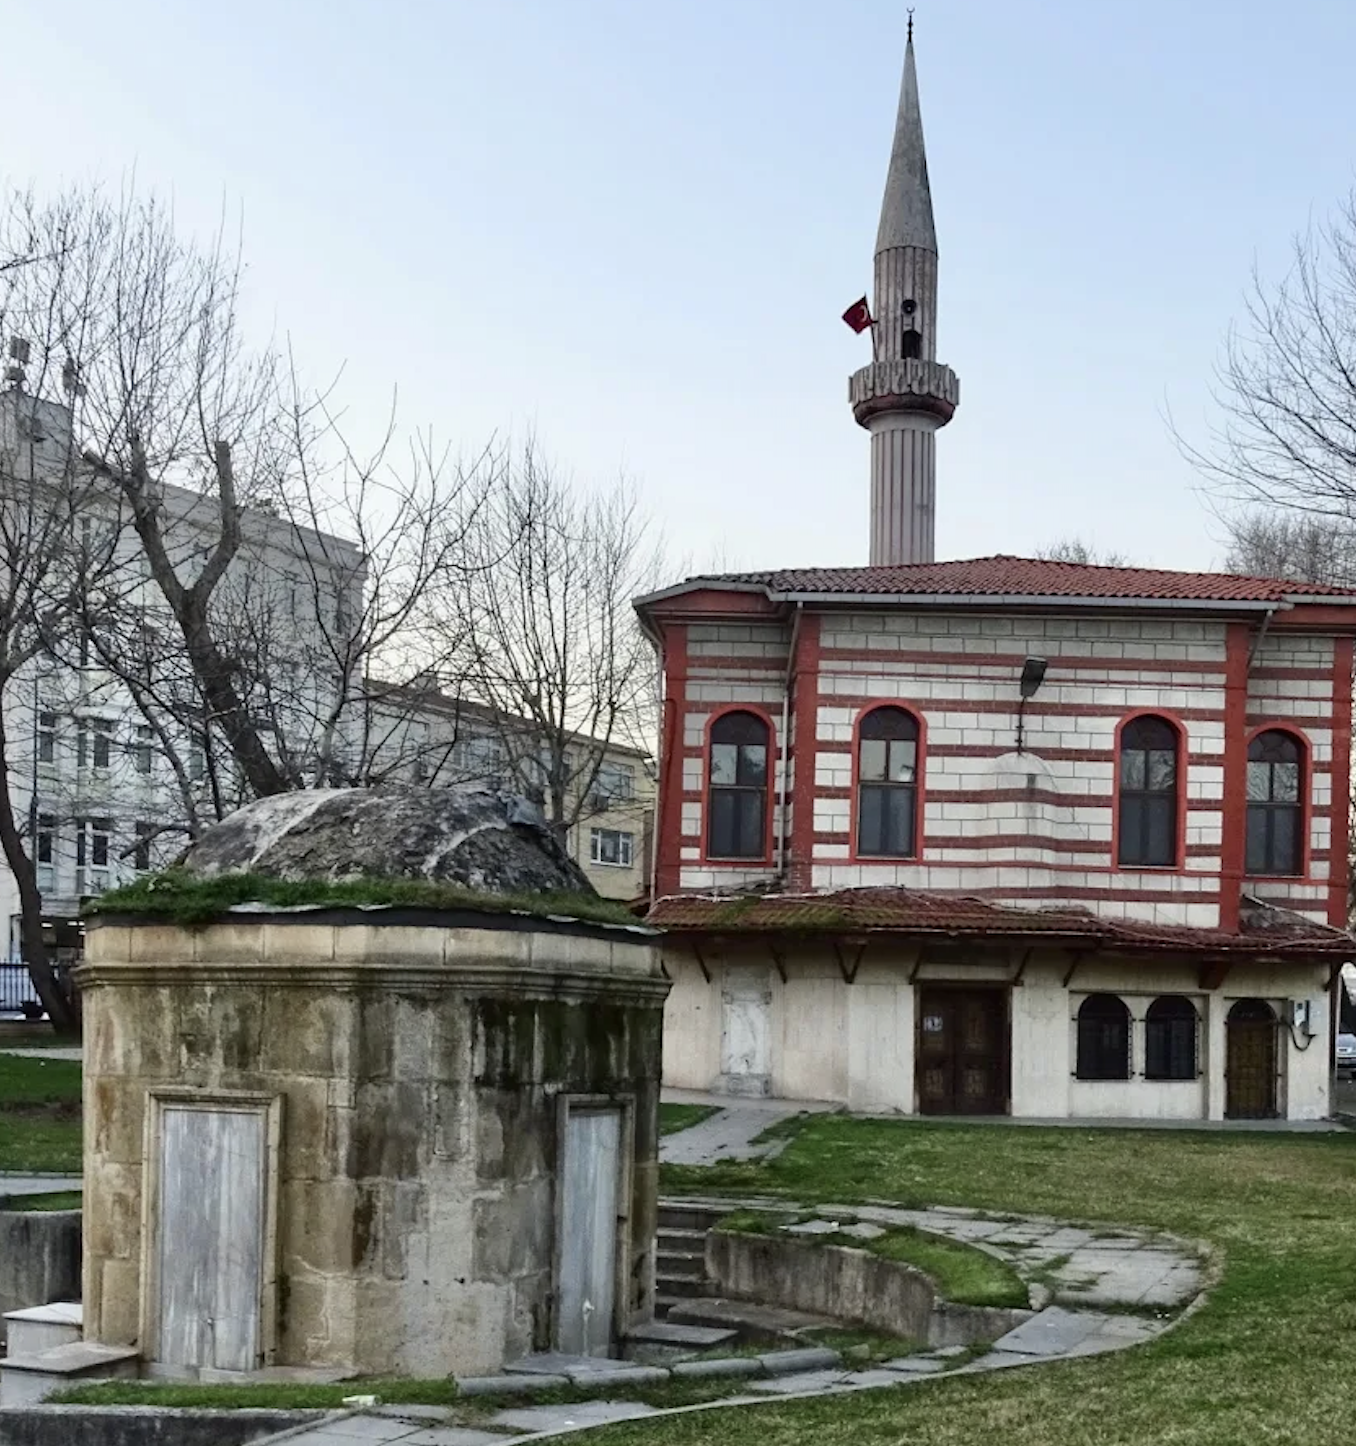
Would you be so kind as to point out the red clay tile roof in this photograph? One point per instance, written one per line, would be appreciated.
(1266, 930)
(1016, 577)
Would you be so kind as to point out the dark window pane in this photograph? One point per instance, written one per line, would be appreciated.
(899, 825)
(1256, 851)
(1160, 841)
(1284, 841)
(749, 839)
(1148, 733)
(1259, 782)
(724, 762)
(1132, 770)
(1170, 1039)
(889, 723)
(1285, 782)
(752, 764)
(1103, 1038)
(1162, 770)
(869, 813)
(720, 831)
(903, 756)
(874, 752)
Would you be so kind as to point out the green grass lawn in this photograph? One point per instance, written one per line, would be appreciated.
(39, 1114)
(673, 1118)
(1270, 1359)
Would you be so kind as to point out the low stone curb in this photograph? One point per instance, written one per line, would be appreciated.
(153, 1425)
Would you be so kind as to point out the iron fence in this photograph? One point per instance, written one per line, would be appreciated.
(17, 995)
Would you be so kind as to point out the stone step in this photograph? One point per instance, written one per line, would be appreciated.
(770, 1325)
(43, 1327)
(670, 1237)
(669, 1263)
(680, 1215)
(691, 1337)
(683, 1286)
(26, 1379)
(664, 1303)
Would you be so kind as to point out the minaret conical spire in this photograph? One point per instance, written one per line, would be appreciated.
(906, 211)
(905, 395)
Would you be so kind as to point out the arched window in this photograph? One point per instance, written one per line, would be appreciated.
(911, 344)
(1147, 827)
(1103, 1038)
(736, 826)
(1170, 1039)
(1275, 812)
(887, 784)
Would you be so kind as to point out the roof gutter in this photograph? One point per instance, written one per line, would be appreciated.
(1031, 600)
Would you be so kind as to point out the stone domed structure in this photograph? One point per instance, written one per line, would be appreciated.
(480, 837)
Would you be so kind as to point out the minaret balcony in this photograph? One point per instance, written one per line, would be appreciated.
(904, 385)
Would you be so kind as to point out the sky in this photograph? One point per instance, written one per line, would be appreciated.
(631, 228)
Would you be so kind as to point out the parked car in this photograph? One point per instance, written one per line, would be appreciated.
(1346, 1056)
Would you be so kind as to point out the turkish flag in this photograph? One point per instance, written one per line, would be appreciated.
(858, 315)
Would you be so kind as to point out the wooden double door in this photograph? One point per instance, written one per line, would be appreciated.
(962, 1051)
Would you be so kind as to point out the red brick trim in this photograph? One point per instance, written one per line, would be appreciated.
(1238, 647)
(669, 822)
(1011, 661)
(1180, 790)
(1343, 654)
(805, 709)
(764, 859)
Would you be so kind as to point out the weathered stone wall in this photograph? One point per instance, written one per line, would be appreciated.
(419, 1068)
(39, 1258)
(846, 1284)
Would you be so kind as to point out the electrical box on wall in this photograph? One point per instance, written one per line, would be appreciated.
(1299, 1015)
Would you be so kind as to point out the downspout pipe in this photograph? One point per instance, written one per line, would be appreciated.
(785, 750)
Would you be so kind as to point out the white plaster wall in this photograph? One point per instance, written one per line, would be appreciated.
(854, 1043)
(691, 1024)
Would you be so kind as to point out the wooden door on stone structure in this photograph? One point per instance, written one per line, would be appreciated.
(590, 1199)
(962, 1051)
(209, 1251)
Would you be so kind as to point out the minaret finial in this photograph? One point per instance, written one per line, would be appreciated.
(910, 24)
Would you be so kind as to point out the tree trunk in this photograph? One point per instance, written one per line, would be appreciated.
(59, 1006)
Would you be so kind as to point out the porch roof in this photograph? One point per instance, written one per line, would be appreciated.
(1266, 930)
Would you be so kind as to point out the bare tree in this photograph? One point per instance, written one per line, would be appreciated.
(1301, 546)
(1075, 549)
(280, 561)
(1286, 384)
(55, 544)
(542, 630)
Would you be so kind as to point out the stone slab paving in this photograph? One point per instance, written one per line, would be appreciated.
(730, 1133)
(38, 1184)
(1083, 1267)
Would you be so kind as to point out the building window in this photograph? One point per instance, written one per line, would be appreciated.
(737, 797)
(1170, 1039)
(887, 784)
(46, 838)
(141, 749)
(91, 843)
(197, 762)
(611, 846)
(1275, 829)
(96, 748)
(1147, 825)
(1103, 1038)
(615, 783)
(141, 851)
(47, 727)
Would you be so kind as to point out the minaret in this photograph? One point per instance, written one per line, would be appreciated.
(906, 394)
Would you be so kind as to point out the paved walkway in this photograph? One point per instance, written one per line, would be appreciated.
(730, 1134)
(37, 1184)
(1069, 1269)
(57, 1051)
